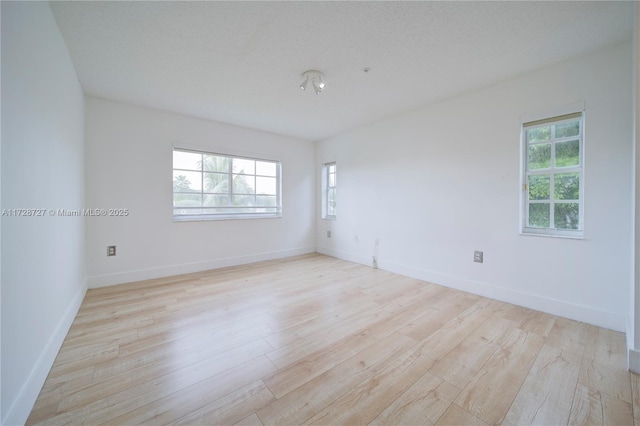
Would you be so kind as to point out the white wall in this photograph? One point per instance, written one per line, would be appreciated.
(43, 262)
(438, 183)
(633, 330)
(0, 236)
(128, 165)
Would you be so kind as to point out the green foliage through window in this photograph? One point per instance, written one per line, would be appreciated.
(539, 215)
(211, 184)
(553, 173)
(539, 187)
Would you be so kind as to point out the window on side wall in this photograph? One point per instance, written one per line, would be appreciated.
(329, 190)
(209, 186)
(553, 176)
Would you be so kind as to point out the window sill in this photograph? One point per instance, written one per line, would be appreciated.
(529, 232)
(201, 218)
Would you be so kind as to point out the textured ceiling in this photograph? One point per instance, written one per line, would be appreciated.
(240, 62)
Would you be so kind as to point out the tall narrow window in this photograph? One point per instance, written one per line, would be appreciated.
(216, 186)
(553, 184)
(329, 191)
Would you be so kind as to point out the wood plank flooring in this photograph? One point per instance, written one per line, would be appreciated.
(317, 340)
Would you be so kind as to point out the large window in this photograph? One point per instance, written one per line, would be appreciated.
(215, 186)
(553, 184)
(329, 191)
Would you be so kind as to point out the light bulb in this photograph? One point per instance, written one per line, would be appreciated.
(303, 85)
(313, 76)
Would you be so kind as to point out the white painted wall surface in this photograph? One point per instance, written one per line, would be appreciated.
(633, 329)
(438, 183)
(43, 262)
(129, 165)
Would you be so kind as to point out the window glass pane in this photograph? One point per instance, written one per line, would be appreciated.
(565, 130)
(567, 186)
(216, 163)
(244, 200)
(539, 134)
(331, 202)
(539, 187)
(187, 200)
(217, 200)
(186, 160)
(187, 181)
(554, 148)
(266, 200)
(216, 182)
(265, 185)
(266, 168)
(247, 167)
(332, 179)
(243, 184)
(568, 153)
(539, 215)
(539, 156)
(566, 215)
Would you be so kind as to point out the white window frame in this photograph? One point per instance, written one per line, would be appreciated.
(559, 116)
(326, 189)
(277, 213)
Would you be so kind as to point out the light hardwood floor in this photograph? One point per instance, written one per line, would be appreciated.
(314, 339)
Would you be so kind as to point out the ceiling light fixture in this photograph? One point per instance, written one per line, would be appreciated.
(315, 77)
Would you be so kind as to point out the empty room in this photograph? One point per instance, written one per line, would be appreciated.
(338, 213)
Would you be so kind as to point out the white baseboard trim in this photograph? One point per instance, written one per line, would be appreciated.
(21, 408)
(97, 281)
(351, 257)
(586, 314)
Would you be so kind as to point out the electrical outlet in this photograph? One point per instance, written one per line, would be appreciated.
(111, 250)
(478, 256)
(328, 234)
(355, 238)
